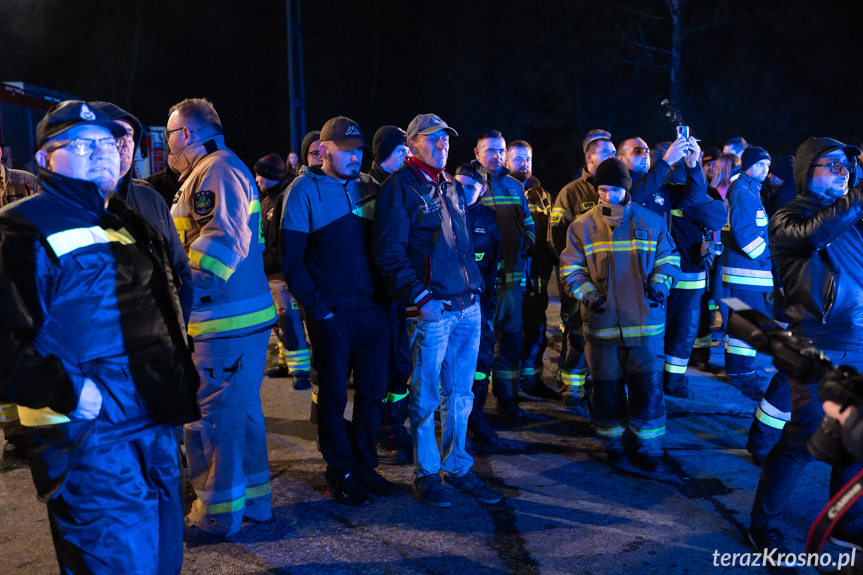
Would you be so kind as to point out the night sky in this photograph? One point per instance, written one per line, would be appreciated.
(771, 71)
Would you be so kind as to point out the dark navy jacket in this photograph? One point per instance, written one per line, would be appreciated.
(485, 237)
(422, 243)
(327, 241)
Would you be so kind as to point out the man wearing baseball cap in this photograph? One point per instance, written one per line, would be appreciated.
(423, 247)
(95, 354)
(327, 259)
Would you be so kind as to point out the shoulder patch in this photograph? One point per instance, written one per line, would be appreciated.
(203, 202)
(555, 218)
(587, 205)
(641, 234)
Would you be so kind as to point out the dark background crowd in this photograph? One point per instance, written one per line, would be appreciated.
(545, 72)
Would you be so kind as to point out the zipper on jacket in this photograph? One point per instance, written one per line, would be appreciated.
(829, 300)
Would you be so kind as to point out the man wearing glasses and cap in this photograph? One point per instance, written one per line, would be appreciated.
(95, 354)
(327, 259)
(424, 250)
(817, 242)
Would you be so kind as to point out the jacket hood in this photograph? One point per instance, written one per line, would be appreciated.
(115, 112)
(308, 140)
(808, 151)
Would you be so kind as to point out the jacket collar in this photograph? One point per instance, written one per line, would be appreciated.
(186, 160)
(72, 191)
(615, 214)
(423, 177)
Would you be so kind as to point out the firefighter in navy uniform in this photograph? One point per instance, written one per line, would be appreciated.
(218, 217)
(620, 262)
(486, 241)
(95, 354)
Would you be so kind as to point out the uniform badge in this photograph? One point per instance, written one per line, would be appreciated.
(640, 234)
(657, 197)
(203, 202)
(86, 113)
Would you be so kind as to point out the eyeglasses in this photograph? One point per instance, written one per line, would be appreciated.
(315, 154)
(86, 146)
(167, 133)
(837, 165)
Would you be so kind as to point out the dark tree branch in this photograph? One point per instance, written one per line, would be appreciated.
(650, 66)
(689, 31)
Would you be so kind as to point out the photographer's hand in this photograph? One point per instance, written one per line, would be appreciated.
(834, 410)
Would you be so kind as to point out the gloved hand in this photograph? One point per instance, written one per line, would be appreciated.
(653, 294)
(708, 254)
(595, 302)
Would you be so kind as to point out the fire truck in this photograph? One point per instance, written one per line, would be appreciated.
(22, 105)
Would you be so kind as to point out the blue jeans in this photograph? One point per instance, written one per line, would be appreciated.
(443, 354)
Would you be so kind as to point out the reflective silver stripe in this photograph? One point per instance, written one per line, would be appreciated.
(70, 240)
(692, 276)
(751, 246)
(770, 410)
(748, 273)
(737, 342)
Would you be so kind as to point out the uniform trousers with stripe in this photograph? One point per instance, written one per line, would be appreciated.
(790, 456)
(293, 348)
(681, 329)
(507, 335)
(227, 448)
(572, 365)
(739, 355)
(484, 363)
(627, 392)
(356, 338)
(398, 368)
(772, 414)
(534, 338)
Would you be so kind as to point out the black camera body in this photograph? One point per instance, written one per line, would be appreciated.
(801, 361)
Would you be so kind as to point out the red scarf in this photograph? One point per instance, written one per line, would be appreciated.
(433, 173)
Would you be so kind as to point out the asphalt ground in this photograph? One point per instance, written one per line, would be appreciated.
(565, 510)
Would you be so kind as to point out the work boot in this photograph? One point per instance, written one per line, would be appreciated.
(509, 408)
(388, 453)
(280, 370)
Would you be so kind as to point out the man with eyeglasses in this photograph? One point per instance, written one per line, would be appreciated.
(144, 198)
(746, 264)
(817, 242)
(218, 216)
(95, 354)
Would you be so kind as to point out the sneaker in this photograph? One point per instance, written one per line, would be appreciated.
(509, 408)
(771, 542)
(194, 535)
(852, 539)
(301, 381)
(348, 491)
(430, 491)
(389, 454)
(372, 481)
(280, 370)
(471, 485)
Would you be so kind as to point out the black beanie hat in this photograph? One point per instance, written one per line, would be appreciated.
(308, 140)
(711, 154)
(473, 170)
(271, 167)
(751, 156)
(386, 139)
(612, 172)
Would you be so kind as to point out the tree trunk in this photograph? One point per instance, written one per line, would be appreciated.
(674, 8)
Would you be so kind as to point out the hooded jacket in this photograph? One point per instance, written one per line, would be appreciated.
(326, 232)
(616, 252)
(422, 243)
(818, 248)
(143, 197)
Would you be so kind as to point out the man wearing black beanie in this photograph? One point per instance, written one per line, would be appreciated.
(746, 264)
(389, 149)
(623, 330)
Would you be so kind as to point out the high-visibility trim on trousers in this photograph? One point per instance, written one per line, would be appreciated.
(8, 412)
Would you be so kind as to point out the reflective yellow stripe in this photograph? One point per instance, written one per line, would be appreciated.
(618, 246)
(394, 397)
(647, 433)
(677, 213)
(211, 264)
(608, 431)
(217, 508)
(183, 224)
(45, 416)
(254, 207)
(768, 420)
(8, 412)
(258, 491)
(699, 284)
(68, 241)
(232, 323)
(571, 379)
